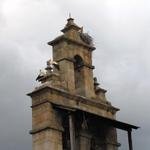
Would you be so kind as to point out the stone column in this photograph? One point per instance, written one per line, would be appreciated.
(88, 82)
(48, 139)
(67, 74)
(46, 128)
(111, 139)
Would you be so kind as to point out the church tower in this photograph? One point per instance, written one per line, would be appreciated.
(69, 109)
(73, 52)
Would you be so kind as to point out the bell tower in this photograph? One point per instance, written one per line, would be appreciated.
(69, 109)
(73, 52)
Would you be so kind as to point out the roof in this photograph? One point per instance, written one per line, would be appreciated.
(100, 119)
(115, 123)
(70, 25)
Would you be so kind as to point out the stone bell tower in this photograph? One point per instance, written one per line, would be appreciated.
(73, 52)
(69, 109)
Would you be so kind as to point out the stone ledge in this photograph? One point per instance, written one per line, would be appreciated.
(73, 60)
(34, 131)
(43, 102)
(77, 98)
(63, 38)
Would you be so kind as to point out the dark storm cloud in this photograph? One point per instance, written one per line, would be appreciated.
(122, 35)
(15, 118)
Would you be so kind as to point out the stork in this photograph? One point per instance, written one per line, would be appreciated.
(41, 74)
(51, 64)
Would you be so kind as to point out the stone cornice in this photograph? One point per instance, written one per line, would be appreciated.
(34, 131)
(64, 38)
(43, 102)
(79, 99)
(66, 58)
(73, 26)
(73, 60)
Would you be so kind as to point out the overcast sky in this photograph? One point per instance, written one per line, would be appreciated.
(121, 32)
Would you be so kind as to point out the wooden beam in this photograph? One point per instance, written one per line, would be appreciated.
(72, 131)
(130, 139)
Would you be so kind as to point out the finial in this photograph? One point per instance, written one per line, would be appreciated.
(70, 24)
(69, 15)
(70, 19)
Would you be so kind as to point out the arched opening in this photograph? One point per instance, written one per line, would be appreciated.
(78, 64)
(79, 75)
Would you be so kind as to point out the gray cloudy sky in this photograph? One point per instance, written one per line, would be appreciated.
(121, 31)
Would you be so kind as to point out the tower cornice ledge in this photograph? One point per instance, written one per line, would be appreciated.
(64, 38)
(48, 127)
(73, 60)
(97, 107)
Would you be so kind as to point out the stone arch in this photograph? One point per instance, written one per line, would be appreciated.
(79, 74)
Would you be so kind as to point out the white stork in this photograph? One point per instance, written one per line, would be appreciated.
(51, 64)
(41, 74)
